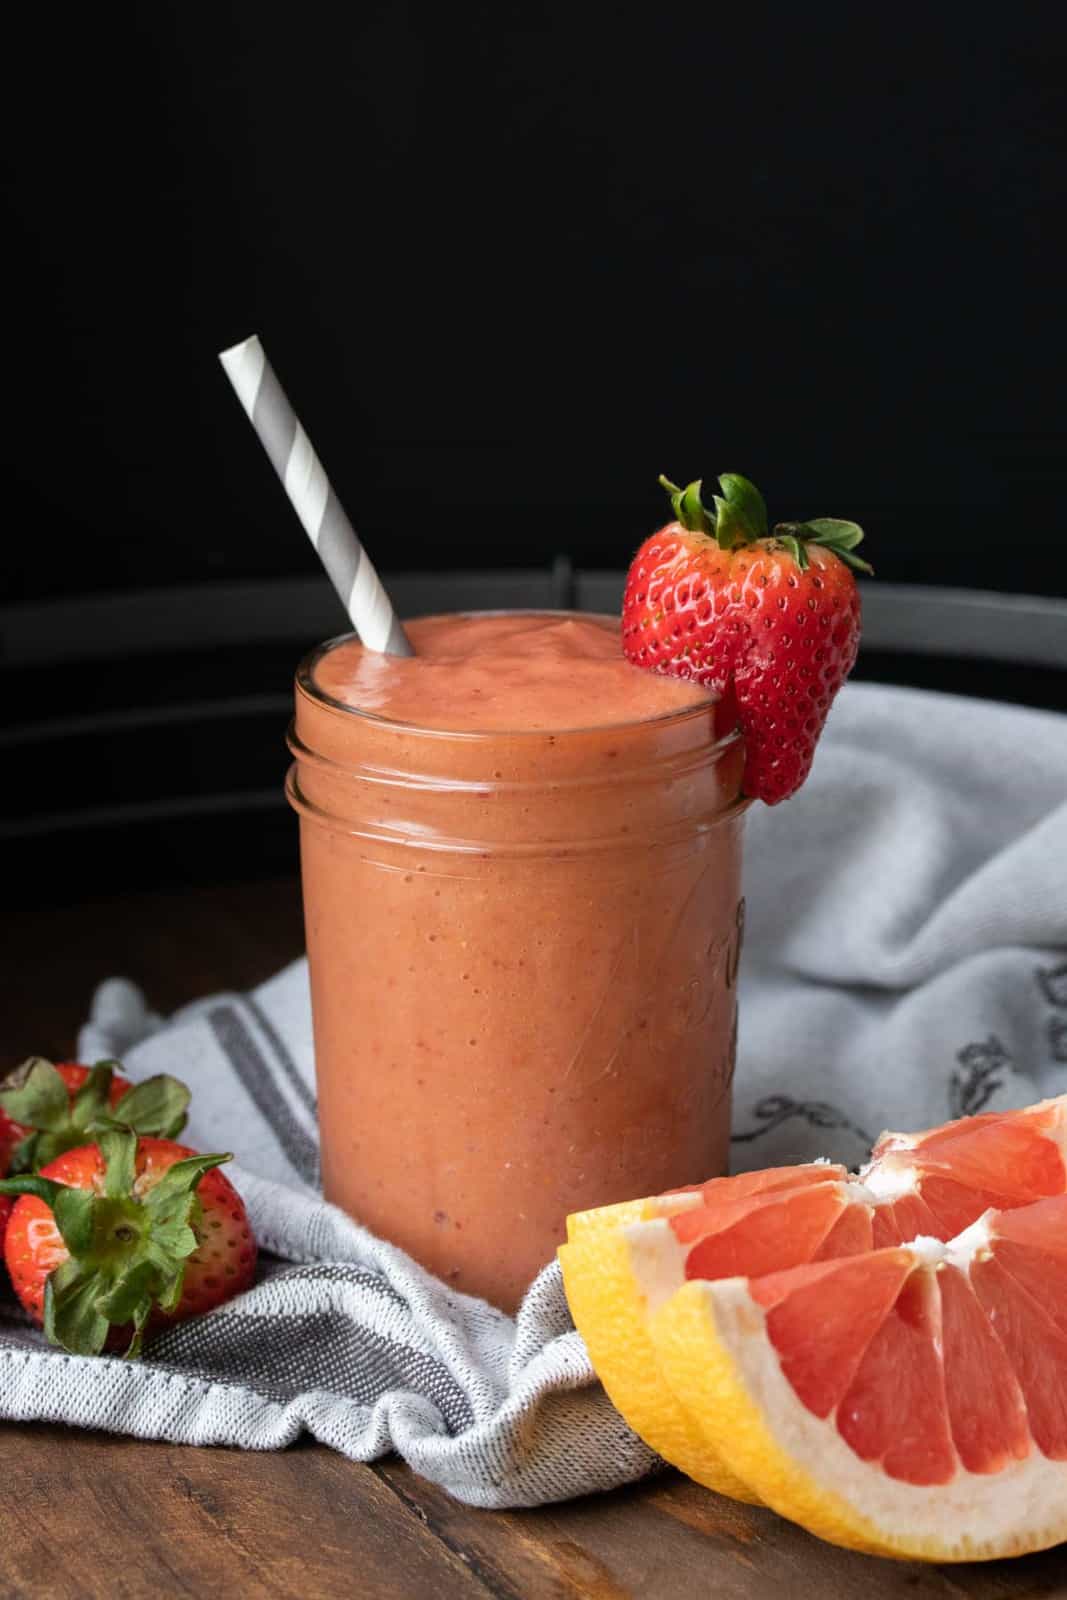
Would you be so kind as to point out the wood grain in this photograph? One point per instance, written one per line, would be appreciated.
(101, 1518)
(84, 1516)
(669, 1539)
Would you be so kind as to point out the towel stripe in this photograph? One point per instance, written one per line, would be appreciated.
(240, 1048)
(282, 1054)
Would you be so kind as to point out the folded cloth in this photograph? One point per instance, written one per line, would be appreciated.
(906, 962)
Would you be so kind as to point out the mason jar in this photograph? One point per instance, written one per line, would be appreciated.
(523, 948)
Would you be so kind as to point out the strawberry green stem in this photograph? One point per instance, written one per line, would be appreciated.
(35, 1096)
(741, 518)
(127, 1252)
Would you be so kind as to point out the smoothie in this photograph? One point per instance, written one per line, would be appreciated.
(521, 861)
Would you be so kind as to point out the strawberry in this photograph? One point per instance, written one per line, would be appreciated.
(122, 1235)
(46, 1109)
(770, 622)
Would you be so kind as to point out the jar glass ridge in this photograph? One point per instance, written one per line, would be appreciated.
(522, 949)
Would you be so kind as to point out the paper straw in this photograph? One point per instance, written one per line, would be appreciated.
(347, 564)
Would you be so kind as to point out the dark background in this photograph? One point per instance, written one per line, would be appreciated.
(511, 261)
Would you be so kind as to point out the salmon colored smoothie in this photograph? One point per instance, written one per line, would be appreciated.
(521, 864)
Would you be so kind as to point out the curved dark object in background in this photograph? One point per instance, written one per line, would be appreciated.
(144, 738)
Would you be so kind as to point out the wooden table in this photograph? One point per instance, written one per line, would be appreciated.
(87, 1515)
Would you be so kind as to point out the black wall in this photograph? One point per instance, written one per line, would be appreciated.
(511, 261)
(514, 259)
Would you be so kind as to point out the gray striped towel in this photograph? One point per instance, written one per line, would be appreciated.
(906, 962)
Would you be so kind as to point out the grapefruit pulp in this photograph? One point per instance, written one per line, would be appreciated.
(910, 1401)
(621, 1263)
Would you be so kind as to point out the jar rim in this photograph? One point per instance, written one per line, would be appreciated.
(305, 683)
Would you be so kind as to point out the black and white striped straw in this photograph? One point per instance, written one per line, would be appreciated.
(347, 564)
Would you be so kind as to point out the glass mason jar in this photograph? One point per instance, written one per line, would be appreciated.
(523, 949)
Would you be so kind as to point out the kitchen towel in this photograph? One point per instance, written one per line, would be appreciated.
(905, 962)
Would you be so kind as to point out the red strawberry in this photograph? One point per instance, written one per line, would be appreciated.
(73, 1075)
(46, 1109)
(125, 1234)
(773, 619)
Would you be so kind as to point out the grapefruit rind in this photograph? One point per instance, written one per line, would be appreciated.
(623, 1280)
(609, 1311)
(602, 1220)
(616, 1260)
(712, 1346)
(611, 1267)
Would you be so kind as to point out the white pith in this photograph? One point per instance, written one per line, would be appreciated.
(657, 1261)
(973, 1242)
(931, 1252)
(881, 1182)
(983, 1511)
(886, 1142)
(1022, 1506)
(672, 1205)
(1055, 1110)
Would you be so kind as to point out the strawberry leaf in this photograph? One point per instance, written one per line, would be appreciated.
(740, 514)
(170, 1292)
(796, 549)
(745, 499)
(691, 511)
(854, 561)
(172, 1239)
(45, 1189)
(36, 1095)
(157, 1106)
(22, 1156)
(128, 1250)
(92, 1098)
(72, 1317)
(131, 1294)
(73, 1210)
(44, 1147)
(689, 507)
(834, 532)
(140, 1321)
(180, 1181)
(118, 1147)
(732, 527)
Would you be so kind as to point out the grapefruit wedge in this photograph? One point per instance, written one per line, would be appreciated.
(622, 1262)
(910, 1401)
(608, 1297)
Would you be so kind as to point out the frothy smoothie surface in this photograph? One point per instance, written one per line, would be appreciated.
(516, 672)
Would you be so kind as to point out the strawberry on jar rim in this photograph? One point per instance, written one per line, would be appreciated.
(770, 621)
(122, 1236)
